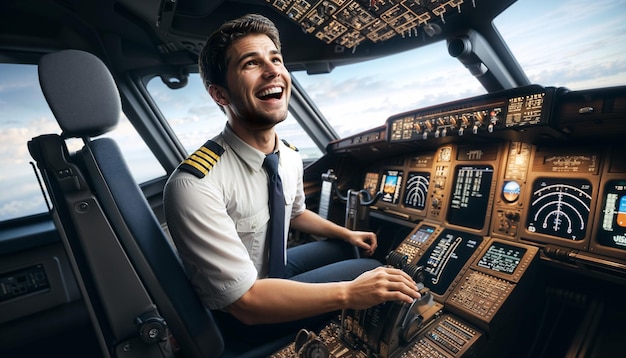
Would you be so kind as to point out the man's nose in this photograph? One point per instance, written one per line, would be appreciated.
(270, 70)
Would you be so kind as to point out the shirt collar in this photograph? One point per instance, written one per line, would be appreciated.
(251, 156)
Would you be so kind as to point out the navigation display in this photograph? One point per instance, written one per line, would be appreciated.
(446, 257)
(612, 230)
(470, 196)
(501, 257)
(416, 191)
(560, 207)
(390, 186)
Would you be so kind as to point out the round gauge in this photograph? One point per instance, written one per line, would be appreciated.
(314, 349)
(416, 191)
(560, 207)
(511, 191)
(445, 154)
(308, 345)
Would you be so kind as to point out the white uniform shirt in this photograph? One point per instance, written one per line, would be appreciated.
(219, 222)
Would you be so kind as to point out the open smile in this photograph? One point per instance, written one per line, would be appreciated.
(270, 93)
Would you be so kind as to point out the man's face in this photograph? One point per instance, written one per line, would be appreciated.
(259, 85)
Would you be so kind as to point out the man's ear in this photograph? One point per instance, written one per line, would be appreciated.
(219, 95)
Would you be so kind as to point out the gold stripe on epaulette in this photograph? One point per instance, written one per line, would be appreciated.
(202, 160)
(204, 170)
(291, 146)
(208, 154)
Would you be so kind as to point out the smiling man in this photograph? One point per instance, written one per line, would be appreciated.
(217, 205)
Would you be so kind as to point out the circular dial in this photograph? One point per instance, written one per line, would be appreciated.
(445, 154)
(416, 191)
(308, 345)
(560, 207)
(314, 349)
(511, 191)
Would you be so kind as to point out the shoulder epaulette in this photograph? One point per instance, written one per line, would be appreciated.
(202, 160)
(293, 147)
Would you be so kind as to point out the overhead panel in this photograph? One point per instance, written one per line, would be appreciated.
(349, 23)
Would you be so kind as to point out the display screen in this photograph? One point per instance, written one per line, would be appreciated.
(371, 183)
(501, 257)
(612, 230)
(390, 186)
(416, 191)
(422, 234)
(511, 191)
(415, 240)
(470, 196)
(446, 257)
(560, 207)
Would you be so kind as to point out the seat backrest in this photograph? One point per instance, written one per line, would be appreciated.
(85, 101)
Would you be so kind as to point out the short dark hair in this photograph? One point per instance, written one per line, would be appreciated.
(212, 61)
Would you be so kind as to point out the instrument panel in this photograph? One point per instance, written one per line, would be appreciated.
(518, 179)
(518, 109)
(489, 187)
(513, 190)
(455, 184)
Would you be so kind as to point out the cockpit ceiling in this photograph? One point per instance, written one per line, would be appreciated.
(317, 35)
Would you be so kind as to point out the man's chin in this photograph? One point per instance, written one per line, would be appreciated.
(265, 123)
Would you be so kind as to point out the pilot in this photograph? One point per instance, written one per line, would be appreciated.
(216, 205)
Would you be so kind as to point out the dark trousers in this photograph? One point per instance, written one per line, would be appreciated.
(315, 262)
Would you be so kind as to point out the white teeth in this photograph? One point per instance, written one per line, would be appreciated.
(269, 91)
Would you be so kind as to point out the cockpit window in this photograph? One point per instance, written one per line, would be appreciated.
(25, 114)
(573, 44)
(357, 97)
(195, 118)
(560, 43)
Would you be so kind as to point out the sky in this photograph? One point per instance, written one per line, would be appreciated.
(577, 44)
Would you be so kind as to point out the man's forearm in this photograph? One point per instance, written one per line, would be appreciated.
(313, 224)
(276, 300)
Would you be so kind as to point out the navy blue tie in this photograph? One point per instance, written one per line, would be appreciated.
(276, 229)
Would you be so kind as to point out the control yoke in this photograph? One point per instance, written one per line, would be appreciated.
(357, 203)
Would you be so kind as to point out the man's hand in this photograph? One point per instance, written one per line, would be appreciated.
(364, 240)
(380, 285)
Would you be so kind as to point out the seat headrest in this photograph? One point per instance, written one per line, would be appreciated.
(80, 92)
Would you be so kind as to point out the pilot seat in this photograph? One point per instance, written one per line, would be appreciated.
(134, 286)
